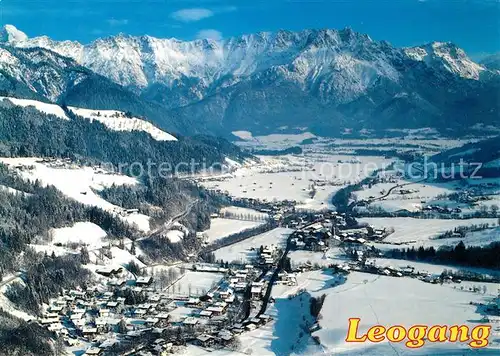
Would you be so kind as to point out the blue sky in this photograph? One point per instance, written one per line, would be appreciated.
(472, 24)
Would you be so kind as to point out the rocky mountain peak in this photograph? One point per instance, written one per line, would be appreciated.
(448, 56)
(11, 35)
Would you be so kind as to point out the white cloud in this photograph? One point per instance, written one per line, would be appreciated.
(115, 22)
(209, 33)
(192, 15)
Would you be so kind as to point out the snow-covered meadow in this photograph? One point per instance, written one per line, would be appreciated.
(83, 233)
(397, 301)
(112, 119)
(195, 284)
(375, 300)
(429, 268)
(421, 194)
(419, 232)
(292, 177)
(245, 250)
(333, 255)
(220, 228)
(78, 183)
(118, 121)
(50, 109)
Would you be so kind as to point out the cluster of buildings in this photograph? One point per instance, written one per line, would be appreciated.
(267, 255)
(123, 313)
(83, 313)
(99, 315)
(286, 278)
(315, 237)
(388, 270)
(214, 307)
(239, 280)
(58, 163)
(330, 230)
(406, 191)
(406, 271)
(363, 235)
(275, 210)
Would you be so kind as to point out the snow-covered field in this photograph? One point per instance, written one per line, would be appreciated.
(118, 121)
(333, 255)
(375, 300)
(50, 109)
(220, 228)
(429, 194)
(84, 233)
(423, 141)
(476, 238)
(195, 283)
(52, 249)
(123, 257)
(420, 231)
(291, 177)
(272, 141)
(422, 193)
(241, 251)
(396, 301)
(78, 183)
(175, 236)
(430, 268)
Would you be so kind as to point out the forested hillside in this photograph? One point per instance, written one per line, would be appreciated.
(30, 210)
(19, 338)
(35, 209)
(28, 132)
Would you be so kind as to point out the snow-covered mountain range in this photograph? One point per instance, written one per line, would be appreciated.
(307, 56)
(311, 78)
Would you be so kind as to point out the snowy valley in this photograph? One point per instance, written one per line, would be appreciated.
(277, 246)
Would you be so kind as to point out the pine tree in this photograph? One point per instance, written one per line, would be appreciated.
(122, 326)
(132, 248)
(84, 255)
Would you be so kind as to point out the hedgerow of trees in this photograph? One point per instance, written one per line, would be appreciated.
(475, 256)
